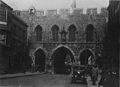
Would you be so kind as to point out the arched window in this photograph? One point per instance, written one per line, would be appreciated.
(89, 33)
(55, 30)
(38, 31)
(71, 30)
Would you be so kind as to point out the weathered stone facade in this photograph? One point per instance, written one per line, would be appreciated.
(63, 19)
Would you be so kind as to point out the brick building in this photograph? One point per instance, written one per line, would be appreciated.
(13, 39)
(61, 35)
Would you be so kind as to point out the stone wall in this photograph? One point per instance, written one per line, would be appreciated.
(78, 19)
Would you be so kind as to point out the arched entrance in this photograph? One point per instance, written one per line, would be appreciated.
(86, 57)
(39, 60)
(62, 57)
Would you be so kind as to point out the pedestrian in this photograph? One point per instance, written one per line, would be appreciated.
(94, 74)
(90, 60)
(103, 74)
(89, 70)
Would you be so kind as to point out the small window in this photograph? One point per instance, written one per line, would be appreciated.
(38, 31)
(89, 33)
(55, 30)
(72, 30)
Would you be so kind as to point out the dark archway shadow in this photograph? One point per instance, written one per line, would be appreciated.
(62, 57)
(85, 56)
(40, 60)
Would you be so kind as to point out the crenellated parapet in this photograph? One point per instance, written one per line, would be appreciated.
(91, 11)
(64, 18)
(54, 12)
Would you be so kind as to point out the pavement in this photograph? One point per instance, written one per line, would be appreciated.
(44, 80)
(5, 76)
(89, 82)
(47, 79)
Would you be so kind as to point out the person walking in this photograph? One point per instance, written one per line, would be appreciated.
(95, 71)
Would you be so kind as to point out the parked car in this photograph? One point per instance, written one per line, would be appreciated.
(79, 74)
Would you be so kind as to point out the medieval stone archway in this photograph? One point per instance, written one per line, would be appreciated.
(62, 57)
(86, 57)
(40, 58)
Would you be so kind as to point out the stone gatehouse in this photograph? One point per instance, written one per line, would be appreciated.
(61, 36)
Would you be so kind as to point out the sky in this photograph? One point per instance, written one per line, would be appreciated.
(55, 4)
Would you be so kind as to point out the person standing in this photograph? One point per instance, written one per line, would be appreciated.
(90, 60)
(95, 71)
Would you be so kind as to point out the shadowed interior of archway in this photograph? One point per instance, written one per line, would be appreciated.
(84, 56)
(40, 60)
(61, 57)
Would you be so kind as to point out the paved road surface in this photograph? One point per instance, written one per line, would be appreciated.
(45, 80)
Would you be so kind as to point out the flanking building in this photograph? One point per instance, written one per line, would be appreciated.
(13, 40)
(112, 35)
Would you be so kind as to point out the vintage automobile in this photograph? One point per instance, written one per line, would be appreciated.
(78, 74)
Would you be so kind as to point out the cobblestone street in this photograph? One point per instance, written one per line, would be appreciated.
(44, 80)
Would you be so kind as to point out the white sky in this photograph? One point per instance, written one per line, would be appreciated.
(55, 4)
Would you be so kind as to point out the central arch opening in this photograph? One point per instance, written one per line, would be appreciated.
(86, 57)
(62, 57)
(40, 60)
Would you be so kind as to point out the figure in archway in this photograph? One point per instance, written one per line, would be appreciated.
(62, 57)
(67, 60)
(90, 60)
(86, 57)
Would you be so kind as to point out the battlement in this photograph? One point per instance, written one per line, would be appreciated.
(75, 11)
(92, 11)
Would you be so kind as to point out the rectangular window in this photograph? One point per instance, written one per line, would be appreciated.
(3, 39)
(3, 15)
